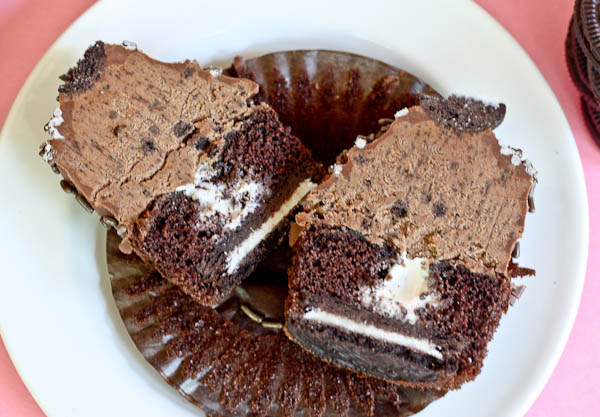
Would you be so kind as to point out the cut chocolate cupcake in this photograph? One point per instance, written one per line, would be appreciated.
(196, 179)
(403, 255)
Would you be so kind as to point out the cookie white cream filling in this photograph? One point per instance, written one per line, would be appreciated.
(52, 126)
(403, 291)
(516, 158)
(232, 201)
(344, 323)
(235, 257)
(360, 143)
(401, 113)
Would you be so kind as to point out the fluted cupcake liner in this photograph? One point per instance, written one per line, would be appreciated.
(329, 97)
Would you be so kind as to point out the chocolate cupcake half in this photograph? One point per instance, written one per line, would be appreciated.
(196, 179)
(404, 254)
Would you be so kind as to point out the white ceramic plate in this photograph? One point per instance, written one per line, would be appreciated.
(57, 316)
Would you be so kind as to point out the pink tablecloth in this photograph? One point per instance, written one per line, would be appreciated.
(28, 28)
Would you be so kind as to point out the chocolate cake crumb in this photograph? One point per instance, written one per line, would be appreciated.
(148, 145)
(463, 114)
(86, 72)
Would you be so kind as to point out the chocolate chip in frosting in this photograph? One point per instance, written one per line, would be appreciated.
(439, 208)
(183, 129)
(400, 208)
(148, 145)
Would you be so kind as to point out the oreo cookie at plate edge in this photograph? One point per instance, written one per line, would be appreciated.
(577, 62)
(588, 14)
(232, 360)
(581, 50)
(592, 119)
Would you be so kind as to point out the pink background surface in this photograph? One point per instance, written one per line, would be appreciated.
(540, 26)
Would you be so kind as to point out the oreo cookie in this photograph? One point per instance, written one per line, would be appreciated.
(577, 61)
(592, 119)
(588, 15)
(582, 50)
(462, 114)
(577, 65)
(594, 79)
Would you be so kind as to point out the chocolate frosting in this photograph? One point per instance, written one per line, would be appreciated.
(430, 190)
(135, 128)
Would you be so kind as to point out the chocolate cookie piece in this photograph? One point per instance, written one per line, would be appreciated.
(232, 360)
(197, 179)
(592, 119)
(582, 58)
(463, 114)
(589, 18)
(402, 269)
(577, 64)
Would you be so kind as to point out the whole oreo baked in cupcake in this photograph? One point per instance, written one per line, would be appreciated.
(403, 257)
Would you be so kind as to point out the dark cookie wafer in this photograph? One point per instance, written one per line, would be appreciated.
(577, 65)
(231, 363)
(588, 14)
(583, 59)
(462, 114)
(577, 62)
(592, 119)
(594, 79)
(580, 37)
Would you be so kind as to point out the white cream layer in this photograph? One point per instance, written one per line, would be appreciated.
(404, 290)
(233, 201)
(360, 143)
(52, 126)
(412, 343)
(236, 256)
(401, 113)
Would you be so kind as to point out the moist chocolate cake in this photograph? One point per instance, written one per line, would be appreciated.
(403, 265)
(232, 360)
(196, 178)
